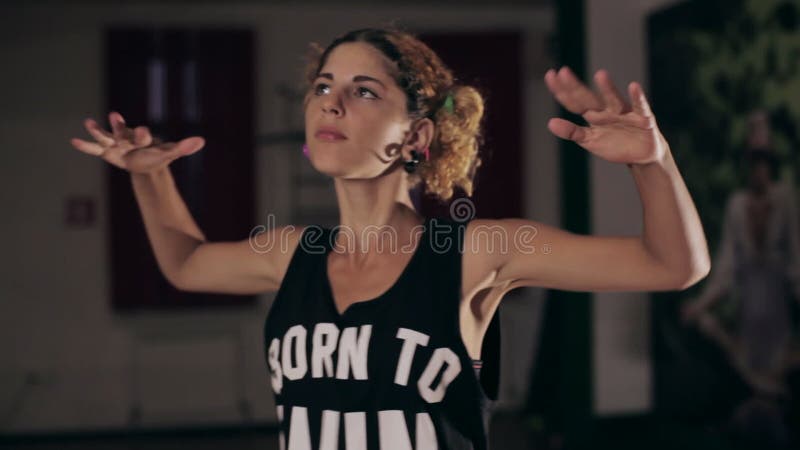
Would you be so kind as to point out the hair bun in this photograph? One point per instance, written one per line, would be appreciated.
(456, 143)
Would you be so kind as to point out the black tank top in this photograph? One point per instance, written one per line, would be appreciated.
(387, 373)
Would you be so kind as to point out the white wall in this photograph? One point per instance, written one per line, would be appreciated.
(57, 328)
(623, 381)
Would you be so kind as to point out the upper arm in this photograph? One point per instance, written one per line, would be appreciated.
(250, 266)
(518, 252)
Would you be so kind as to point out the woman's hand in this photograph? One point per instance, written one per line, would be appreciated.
(134, 150)
(618, 131)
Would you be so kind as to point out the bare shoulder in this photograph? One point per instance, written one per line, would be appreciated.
(282, 243)
(252, 265)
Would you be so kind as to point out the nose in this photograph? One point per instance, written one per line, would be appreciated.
(331, 105)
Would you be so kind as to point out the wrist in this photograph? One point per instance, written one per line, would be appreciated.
(151, 175)
(662, 156)
(663, 164)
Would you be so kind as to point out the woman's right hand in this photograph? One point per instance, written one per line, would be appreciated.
(134, 150)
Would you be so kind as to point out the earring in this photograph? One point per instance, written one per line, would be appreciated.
(305, 150)
(411, 165)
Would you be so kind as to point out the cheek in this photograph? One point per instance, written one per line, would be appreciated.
(379, 125)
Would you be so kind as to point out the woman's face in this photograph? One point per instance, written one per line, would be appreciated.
(355, 116)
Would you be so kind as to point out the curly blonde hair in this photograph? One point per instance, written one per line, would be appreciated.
(427, 82)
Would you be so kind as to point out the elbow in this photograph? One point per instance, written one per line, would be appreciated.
(689, 281)
(692, 275)
(692, 271)
(177, 280)
(682, 274)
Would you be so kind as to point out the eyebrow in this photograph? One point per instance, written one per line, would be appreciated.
(355, 78)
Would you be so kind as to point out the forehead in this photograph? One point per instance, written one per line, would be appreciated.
(358, 58)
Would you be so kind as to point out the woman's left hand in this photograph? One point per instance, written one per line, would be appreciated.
(618, 131)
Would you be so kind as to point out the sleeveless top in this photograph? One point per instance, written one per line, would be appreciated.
(387, 373)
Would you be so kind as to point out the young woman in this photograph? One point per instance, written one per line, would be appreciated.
(369, 348)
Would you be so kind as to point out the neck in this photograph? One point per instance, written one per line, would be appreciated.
(369, 209)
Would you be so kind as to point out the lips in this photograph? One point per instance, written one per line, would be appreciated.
(329, 134)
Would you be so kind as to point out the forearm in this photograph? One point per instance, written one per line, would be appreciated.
(172, 231)
(672, 233)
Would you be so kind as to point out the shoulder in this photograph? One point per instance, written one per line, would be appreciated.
(285, 241)
(491, 240)
(283, 236)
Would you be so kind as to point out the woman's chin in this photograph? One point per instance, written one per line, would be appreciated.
(329, 168)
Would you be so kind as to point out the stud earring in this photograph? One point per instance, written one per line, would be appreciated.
(411, 165)
(305, 150)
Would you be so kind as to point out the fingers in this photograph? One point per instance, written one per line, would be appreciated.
(175, 150)
(122, 140)
(570, 92)
(639, 100)
(121, 132)
(611, 96)
(188, 146)
(102, 136)
(91, 148)
(127, 139)
(142, 137)
(577, 98)
(567, 130)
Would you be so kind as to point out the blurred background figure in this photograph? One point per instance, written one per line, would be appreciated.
(757, 266)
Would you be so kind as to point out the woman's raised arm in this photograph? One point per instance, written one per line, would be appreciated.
(670, 254)
(183, 255)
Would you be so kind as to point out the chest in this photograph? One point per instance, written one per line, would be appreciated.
(349, 285)
(479, 297)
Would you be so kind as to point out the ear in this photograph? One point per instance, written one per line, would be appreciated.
(419, 136)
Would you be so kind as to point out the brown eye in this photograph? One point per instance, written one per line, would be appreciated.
(366, 93)
(319, 87)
